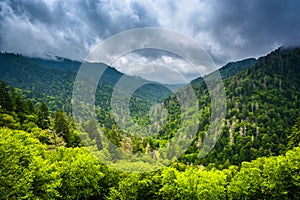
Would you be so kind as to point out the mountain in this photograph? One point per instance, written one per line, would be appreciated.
(262, 105)
(232, 68)
(256, 157)
(56, 63)
(262, 102)
(51, 80)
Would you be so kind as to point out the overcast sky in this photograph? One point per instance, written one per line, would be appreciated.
(228, 30)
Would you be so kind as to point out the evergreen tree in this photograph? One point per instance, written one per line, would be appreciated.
(61, 126)
(43, 116)
(294, 138)
(5, 98)
(30, 106)
(17, 102)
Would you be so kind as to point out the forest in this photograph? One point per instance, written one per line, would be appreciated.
(46, 154)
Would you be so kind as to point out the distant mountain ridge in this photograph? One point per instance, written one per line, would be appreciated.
(52, 80)
(45, 79)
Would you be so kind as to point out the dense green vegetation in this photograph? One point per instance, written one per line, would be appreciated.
(51, 81)
(17, 114)
(42, 155)
(262, 105)
(30, 170)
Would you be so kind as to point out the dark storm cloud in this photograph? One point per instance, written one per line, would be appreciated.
(245, 28)
(65, 28)
(36, 10)
(108, 18)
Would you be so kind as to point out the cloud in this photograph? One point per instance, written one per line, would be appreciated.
(232, 30)
(162, 67)
(240, 29)
(183, 55)
(65, 28)
(34, 32)
(228, 30)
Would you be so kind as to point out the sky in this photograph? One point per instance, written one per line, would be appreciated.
(228, 30)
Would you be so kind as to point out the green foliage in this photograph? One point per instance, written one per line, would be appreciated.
(43, 116)
(268, 178)
(29, 171)
(24, 172)
(294, 137)
(25, 116)
(91, 128)
(42, 163)
(262, 106)
(63, 128)
(80, 172)
(137, 186)
(193, 183)
(5, 97)
(264, 178)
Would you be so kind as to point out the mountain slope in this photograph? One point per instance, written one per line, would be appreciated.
(262, 101)
(52, 81)
(263, 104)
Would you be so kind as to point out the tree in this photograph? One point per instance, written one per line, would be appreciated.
(5, 98)
(43, 116)
(30, 106)
(17, 101)
(24, 171)
(61, 126)
(193, 183)
(81, 173)
(246, 184)
(18, 104)
(294, 137)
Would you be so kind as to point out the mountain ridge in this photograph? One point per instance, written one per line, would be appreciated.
(254, 91)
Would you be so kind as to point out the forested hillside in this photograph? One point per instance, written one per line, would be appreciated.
(42, 155)
(263, 104)
(52, 81)
(38, 164)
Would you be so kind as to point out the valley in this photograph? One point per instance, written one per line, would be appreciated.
(47, 154)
